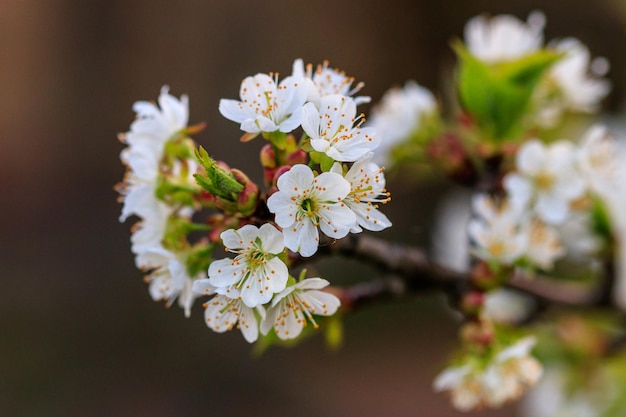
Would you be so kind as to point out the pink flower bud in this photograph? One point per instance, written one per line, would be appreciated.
(268, 157)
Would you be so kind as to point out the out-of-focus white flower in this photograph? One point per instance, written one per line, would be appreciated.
(399, 113)
(599, 160)
(295, 305)
(578, 238)
(507, 376)
(553, 396)
(168, 278)
(327, 81)
(504, 37)
(547, 178)
(574, 75)
(223, 313)
(573, 83)
(332, 129)
(305, 202)
(367, 190)
(146, 139)
(266, 106)
(256, 272)
(507, 306)
(496, 231)
(149, 233)
(544, 245)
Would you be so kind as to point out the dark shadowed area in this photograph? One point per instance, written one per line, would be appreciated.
(80, 334)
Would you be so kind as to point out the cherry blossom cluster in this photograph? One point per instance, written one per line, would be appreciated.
(322, 186)
(159, 189)
(537, 202)
(542, 208)
(502, 378)
(549, 202)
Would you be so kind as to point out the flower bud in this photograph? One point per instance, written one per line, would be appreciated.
(478, 333)
(248, 198)
(297, 157)
(472, 302)
(268, 156)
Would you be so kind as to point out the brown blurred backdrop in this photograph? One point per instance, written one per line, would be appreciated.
(80, 335)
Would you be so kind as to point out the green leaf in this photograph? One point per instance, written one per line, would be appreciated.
(498, 95)
(218, 181)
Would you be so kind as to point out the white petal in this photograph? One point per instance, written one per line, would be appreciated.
(248, 324)
(531, 158)
(322, 303)
(312, 284)
(310, 120)
(203, 287)
(272, 239)
(233, 110)
(331, 187)
(224, 272)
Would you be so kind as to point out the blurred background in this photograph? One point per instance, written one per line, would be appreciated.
(80, 334)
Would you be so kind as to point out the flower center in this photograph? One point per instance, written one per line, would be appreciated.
(309, 207)
(256, 258)
(544, 181)
(497, 248)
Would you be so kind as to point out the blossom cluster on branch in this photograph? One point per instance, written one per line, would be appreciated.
(546, 227)
(323, 183)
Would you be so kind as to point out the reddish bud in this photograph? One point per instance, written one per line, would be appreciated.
(473, 302)
(268, 156)
(297, 157)
(479, 333)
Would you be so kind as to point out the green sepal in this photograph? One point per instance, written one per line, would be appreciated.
(326, 163)
(174, 193)
(277, 138)
(498, 95)
(316, 157)
(218, 181)
(179, 146)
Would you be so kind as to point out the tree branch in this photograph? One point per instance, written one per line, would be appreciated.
(411, 271)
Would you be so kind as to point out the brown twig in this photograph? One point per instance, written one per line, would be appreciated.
(412, 272)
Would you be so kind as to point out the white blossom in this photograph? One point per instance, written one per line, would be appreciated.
(256, 272)
(223, 313)
(599, 160)
(326, 81)
(400, 113)
(582, 89)
(266, 106)
(297, 304)
(367, 191)
(544, 245)
(496, 232)
(504, 37)
(335, 130)
(153, 127)
(555, 396)
(508, 306)
(304, 202)
(547, 178)
(168, 278)
(505, 378)
(149, 233)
